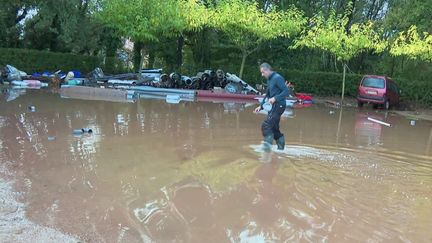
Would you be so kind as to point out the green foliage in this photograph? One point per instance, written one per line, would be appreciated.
(413, 45)
(148, 20)
(402, 14)
(322, 83)
(63, 26)
(417, 91)
(36, 61)
(11, 14)
(247, 26)
(331, 35)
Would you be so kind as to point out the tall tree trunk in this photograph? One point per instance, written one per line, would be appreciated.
(137, 55)
(335, 64)
(141, 65)
(54, 45)
(151, 60)
(205, 49)
(350, 16)
(244, 56)
(343, 82)
(179, 56)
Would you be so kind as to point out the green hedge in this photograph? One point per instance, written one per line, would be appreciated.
(419, 92)
(323, 83)
(330, 84)
(36, 61)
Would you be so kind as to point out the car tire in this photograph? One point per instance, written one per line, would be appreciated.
(387, 105)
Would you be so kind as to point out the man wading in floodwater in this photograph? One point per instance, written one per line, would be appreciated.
(276, 93)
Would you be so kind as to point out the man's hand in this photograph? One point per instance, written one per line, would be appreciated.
(272, 100)
(258, 109)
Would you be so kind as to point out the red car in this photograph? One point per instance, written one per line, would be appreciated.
(378, 90)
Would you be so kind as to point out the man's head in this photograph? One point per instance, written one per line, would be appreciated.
(266, 70)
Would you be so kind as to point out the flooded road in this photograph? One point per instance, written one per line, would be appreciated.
(191, 172)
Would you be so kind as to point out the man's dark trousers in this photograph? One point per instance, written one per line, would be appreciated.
(270, 125)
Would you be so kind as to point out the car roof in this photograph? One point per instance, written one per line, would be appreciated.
(375, 76)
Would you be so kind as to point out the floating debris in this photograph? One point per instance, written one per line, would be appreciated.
(32, 108)
(379, 122)
(82, 131)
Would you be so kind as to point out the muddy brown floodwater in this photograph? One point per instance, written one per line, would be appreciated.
(191, 172)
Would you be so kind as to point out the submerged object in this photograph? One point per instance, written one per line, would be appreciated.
(225, 95)
(13, 93)
(91, 93)
(163, 96)
(123, 82)
(173, 99)
(36, 83)
(148, 90)
(82, 131)
(131, 95)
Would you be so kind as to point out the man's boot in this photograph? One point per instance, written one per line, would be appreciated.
(281, 143)
(267, 143)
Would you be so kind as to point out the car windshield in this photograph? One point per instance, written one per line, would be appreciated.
(373, 83)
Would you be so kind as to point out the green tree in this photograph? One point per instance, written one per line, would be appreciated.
(402, 14)
(64, 26)
(247, 26)
(12, 13)
(413, 45)
(148, 21)
(331, 35)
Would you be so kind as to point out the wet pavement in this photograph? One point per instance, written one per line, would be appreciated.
(192, 172)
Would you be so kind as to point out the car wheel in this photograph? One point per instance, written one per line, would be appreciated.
(360, 104)
(387, 105)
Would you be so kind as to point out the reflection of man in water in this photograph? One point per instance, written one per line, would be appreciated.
(276, 93)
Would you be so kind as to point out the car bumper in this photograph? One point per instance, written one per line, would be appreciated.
(371, 99)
